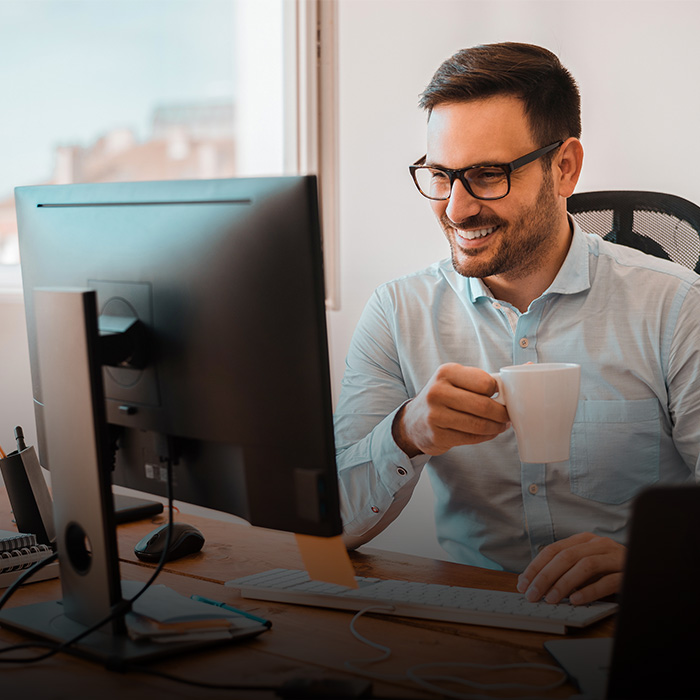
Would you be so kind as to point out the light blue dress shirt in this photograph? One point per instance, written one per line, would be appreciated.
(633, 324)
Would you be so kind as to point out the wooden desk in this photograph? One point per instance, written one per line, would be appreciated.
(307, 642)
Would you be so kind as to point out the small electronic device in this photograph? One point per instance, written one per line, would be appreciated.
(130, 508)
(184, 539)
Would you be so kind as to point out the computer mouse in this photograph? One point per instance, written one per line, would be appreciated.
(185, 539)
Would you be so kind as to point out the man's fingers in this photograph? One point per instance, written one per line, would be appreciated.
(586, 572)
(465, 390)
(443, 438)
(584, 564)
(457, 426)
(544, 558)
(471, 403)
(470, 423)
(599, 589)
(450, 410)
(467, 378)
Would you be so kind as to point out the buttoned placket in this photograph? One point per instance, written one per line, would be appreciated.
(538, 519)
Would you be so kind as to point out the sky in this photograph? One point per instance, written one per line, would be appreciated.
(75, 69)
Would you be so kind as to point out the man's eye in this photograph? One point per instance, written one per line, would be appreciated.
(487, 176)
(438, 176)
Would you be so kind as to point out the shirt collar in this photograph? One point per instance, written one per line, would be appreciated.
(573, 276)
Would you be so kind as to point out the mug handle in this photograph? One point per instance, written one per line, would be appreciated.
(499, 396)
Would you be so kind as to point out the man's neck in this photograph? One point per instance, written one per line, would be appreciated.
(520, 289)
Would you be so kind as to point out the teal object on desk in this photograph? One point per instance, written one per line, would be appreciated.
(208, 601)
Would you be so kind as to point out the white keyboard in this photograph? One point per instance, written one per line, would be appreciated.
(429, 601)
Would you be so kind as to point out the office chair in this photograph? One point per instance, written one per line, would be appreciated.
(659, 224)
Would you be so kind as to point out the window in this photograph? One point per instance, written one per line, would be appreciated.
(118, 90)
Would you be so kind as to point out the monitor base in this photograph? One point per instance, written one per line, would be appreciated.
(48, 622)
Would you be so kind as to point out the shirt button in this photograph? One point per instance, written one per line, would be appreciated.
(401, 471)
(375, 509)
(524, 342)
(532, 488)
(496, 306)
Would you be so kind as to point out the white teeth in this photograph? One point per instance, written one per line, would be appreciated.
(478, 233)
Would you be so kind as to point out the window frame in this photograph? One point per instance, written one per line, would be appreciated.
(313, 99)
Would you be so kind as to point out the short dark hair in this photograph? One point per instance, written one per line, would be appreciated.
(535, 75)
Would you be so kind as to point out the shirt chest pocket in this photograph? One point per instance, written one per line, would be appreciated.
(615, 449)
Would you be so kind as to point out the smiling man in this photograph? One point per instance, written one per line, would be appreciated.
(523, 236)
(523, 284)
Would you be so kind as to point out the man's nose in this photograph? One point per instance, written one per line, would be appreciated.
(461, 204)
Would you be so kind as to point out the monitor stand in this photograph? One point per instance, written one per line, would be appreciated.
(78, 449)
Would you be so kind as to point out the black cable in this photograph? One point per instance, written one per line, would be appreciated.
(168, 535)
(125, 606)
(120, 609)
(27, 574)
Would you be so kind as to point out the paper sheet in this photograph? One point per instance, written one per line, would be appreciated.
(326, 559)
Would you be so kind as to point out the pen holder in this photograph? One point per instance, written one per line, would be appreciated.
(29, 495)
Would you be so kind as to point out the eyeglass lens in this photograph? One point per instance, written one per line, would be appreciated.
(485, 183)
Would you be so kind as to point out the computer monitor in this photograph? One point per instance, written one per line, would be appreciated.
(209, 297)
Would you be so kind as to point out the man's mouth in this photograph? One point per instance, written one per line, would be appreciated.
(475, 234)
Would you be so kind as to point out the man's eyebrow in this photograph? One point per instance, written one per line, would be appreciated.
(481, 164)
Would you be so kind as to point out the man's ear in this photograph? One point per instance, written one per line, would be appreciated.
(567, 166)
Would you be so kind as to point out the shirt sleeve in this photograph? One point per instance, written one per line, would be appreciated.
(683, 380)
(376, 477)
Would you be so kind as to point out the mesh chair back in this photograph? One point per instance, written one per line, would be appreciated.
(660, 224)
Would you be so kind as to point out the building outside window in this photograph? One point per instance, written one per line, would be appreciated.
(123, 90)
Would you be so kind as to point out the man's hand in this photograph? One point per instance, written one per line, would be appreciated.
(453, 408)
(584, 567)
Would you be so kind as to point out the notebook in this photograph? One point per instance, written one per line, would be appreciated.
(18, 551)
(163, 615)
(14, 563)
(656, 648)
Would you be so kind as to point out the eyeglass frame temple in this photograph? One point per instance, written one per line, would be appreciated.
(529, 157)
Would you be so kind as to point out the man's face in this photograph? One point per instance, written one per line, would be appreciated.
(513, 236)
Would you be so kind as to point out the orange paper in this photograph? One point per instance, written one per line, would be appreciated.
(326, 559)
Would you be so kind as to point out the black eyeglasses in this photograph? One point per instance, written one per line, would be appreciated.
(481, 181)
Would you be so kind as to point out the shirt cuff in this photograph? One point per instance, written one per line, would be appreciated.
(395, 468)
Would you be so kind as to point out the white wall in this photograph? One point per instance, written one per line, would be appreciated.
(637, 64)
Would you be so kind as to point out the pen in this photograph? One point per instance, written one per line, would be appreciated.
(19, 437)
(201, 599)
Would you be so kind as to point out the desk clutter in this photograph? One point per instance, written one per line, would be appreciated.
(164, 616)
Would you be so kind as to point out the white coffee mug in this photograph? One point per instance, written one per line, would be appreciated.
(541, 400)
